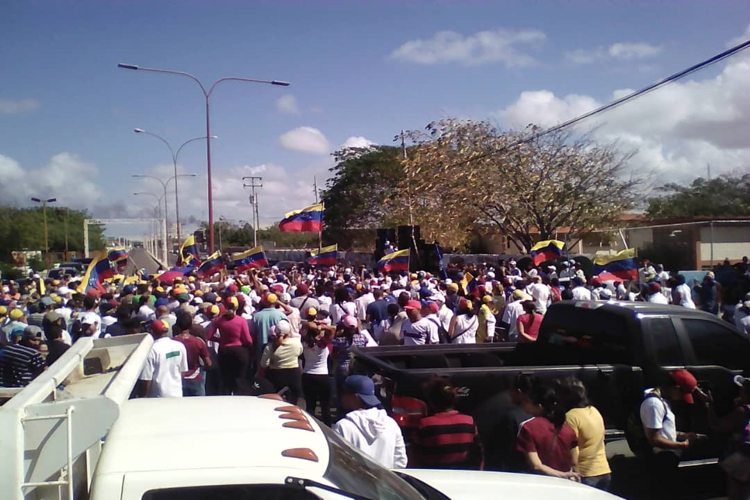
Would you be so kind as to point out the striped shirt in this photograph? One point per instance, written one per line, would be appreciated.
(448, 439)
(19, 365)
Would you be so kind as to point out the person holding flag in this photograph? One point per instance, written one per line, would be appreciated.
(189, 253)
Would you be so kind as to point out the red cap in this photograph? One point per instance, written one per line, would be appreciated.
(303, 288)
(434, 307)
(687, 383)
(159, 326)
(413, 304)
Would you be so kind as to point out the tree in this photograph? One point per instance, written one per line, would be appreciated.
(464, 173)
(355, 196)
(722, 196)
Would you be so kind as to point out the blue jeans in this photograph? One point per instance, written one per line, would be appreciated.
(195, 387)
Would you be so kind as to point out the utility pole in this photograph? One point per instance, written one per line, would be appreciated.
(253, 182)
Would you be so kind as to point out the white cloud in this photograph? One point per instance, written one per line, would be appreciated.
(305, 140)
(677, 130)
(619, 50)
(11, 107)
(637, 50)
(357, 141)
(745, 36)
(287, 104)
(483, 47)
(65, 177)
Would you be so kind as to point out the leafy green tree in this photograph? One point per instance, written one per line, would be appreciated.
(722, 196)
(355, 196)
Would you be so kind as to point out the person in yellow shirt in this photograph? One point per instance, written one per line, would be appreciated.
(487, 320)
(588, 424)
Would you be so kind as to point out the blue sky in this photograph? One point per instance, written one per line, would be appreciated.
(360, 71)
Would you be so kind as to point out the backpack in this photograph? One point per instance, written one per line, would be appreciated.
(442, 332)
(634, 432)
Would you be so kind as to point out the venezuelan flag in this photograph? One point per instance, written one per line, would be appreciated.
(117, 255)
(468, 283)
(326, 256)
(396, 261)
(546, 250)
(213, 264)
(621, 266)
(99, 270)
(309, 219)
(249, 259)
(189, 253)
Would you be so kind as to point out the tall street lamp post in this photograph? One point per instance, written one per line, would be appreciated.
(175, 156)
(207, 95)
(160, 226)
(164, 185)
(46, 233)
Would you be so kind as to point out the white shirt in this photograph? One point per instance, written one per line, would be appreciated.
(511, 314)
(338, 311)
(541, 293)
(417, 333)
(362, 303)
(316, 359)
(684, 295)
(466, 329)
(581, 293)
(445, 315)
(164, 366)
(656, 414)
(657, 298)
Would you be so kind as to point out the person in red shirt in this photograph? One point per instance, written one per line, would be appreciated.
(233, 335)
(446, 439)
(529, 322)
(548, 443)
(193, 380)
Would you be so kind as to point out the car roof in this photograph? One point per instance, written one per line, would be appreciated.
(156, 434)
(627, 308)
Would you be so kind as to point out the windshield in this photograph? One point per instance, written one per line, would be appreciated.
(352, 471)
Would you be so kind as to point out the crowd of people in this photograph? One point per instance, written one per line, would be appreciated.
(293, 332)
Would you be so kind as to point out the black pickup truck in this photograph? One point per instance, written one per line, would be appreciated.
(607, 345)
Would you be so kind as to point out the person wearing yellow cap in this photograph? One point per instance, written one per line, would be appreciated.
(16, 321)
(464, 324)
(487, 321)
(264, 321)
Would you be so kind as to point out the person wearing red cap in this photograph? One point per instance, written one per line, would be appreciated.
(416, 330)
(162, 373)
(660, 427)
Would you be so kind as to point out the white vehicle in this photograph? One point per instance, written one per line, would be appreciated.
(93, 442)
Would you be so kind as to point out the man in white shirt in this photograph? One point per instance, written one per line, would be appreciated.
(367, 426)
(162, 374)
(512, 311)
(654, 294)
(540, 292)
(416, 330)
(580, 292)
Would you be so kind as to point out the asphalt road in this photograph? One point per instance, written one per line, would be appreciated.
(141, 259)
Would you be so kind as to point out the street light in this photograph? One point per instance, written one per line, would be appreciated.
(164, 185)
(157, 213)
(207, 96)
(46, 234)
(175, 155)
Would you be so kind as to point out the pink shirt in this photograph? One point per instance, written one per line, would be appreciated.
(532, 330)
(231, 332)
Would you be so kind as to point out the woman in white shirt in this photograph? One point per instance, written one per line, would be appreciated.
(464, 325)
(316, 378)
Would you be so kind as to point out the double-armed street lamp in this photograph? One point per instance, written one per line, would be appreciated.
(207, 92)
(164, 185)
(175, 155)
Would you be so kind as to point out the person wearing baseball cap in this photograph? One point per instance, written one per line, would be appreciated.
(21, 361)
(280, 361)
(660, 426)
(416, 329)
(367, 426)
(162, 372)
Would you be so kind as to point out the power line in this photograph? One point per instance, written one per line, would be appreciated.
(670, 79)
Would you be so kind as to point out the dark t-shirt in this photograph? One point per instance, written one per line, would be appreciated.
(553, 446)
(498, 421)
(55, 349)
(378, 311)
(195, 348)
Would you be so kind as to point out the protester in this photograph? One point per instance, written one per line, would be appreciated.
(464, 325)
(418, 330)
(198, 359)
(235, 347)
(528, 323)
(316, 377)
(20, 360)
(446, 439)
(367, 426)
(280, 362)
(161, 376)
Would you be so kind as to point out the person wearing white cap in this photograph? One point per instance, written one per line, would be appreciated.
(512, 311)
(280, 361)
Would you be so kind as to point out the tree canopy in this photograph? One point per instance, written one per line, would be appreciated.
(462, 174)
(23, 229)
(721, 196)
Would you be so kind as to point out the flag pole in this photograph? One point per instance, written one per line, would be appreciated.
(320, 227)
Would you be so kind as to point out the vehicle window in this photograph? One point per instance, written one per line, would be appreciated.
(351, 471)
(230, 492)
(663, 338)
(716, 344)
(589, 334)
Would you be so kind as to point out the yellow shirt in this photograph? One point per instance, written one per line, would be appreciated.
(588, 425)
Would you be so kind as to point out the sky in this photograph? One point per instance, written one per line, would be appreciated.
(360, 72)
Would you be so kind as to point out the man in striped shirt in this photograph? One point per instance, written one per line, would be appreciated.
(446, 439)
(21, 362)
